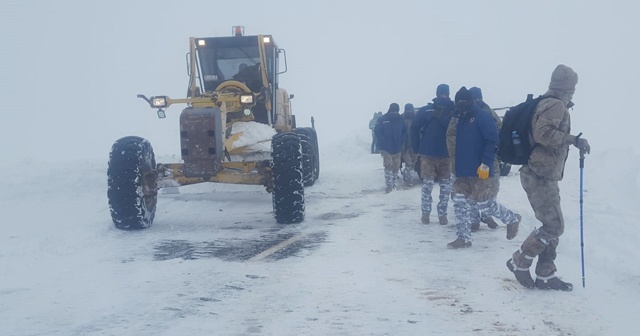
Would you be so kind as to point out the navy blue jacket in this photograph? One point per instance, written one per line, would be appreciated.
(391, 132)
(476, 141)
(429, 128)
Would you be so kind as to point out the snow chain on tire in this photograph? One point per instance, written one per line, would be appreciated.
(286, 174)
(131, 201)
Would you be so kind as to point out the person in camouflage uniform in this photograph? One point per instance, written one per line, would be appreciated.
(550, 137)
(477, 216)
(475, 154)
(391, 133)
(372, 126)
(428, 140)
(408, 155)
(476, 95)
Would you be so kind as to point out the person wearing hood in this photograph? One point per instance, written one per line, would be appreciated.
(550, 138)
(428, 140)
(476, 96)
(372, 126)
(475, 155)
(408, 155)
(391, 134)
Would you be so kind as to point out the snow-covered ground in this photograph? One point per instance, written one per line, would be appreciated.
(216, 263)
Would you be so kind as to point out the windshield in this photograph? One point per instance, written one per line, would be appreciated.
(221, 60)
(230, 61)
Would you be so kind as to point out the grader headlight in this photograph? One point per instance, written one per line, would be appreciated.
(159, 102)
(246, 98)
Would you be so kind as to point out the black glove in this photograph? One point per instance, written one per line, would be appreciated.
(583, 145)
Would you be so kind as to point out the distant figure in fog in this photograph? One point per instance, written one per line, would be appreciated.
(391, 133)
(372, 126)
(408, 155)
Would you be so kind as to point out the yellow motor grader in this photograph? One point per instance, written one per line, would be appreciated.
(237, 127)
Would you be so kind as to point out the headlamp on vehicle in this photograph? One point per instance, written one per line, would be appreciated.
(159, 102)
(246, 98)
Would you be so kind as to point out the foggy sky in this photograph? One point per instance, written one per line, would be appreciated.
(70, 70)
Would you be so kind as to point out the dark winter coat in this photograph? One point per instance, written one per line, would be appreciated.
(476, 141)
(391, 132)
(429, 128)
(408, 120)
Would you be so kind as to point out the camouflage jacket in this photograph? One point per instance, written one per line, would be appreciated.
(550, 128)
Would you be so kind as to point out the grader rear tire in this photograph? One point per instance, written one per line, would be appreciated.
(310, 155)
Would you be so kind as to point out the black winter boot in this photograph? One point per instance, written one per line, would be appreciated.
(443, 220)
(459, 243)
(490, 222)
(522, 274)
(553, 282)
(512, 229)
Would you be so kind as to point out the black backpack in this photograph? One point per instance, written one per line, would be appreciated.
(513, 143)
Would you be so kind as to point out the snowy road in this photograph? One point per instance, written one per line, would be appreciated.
(216, 263)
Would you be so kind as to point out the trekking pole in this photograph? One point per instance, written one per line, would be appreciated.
(581, 207)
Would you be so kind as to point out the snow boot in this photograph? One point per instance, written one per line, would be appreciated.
(490, 222)
(443, 220)
(522, 274)
(554, 283)
(425, 218)
(459, 243)
(389, 181)
(512, 229)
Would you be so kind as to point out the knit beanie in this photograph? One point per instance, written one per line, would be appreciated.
(476, 93)
(442, 89)
(394, 107)
(408, 107)
(463, 94)
(563, 78)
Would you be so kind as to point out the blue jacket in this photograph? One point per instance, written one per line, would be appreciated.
(391, 132)
(476, 141)
(429, 128)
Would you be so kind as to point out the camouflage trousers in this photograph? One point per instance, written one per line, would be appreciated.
(409, 158)
(544, 197)
(434, 170)
(391, 163)
(473, 196)
(445, 191)
(390, 179)
(494, 187)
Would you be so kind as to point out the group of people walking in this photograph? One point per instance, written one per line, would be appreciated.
(455, 143)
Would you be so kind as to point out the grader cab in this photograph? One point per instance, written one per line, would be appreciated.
(237, 127)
